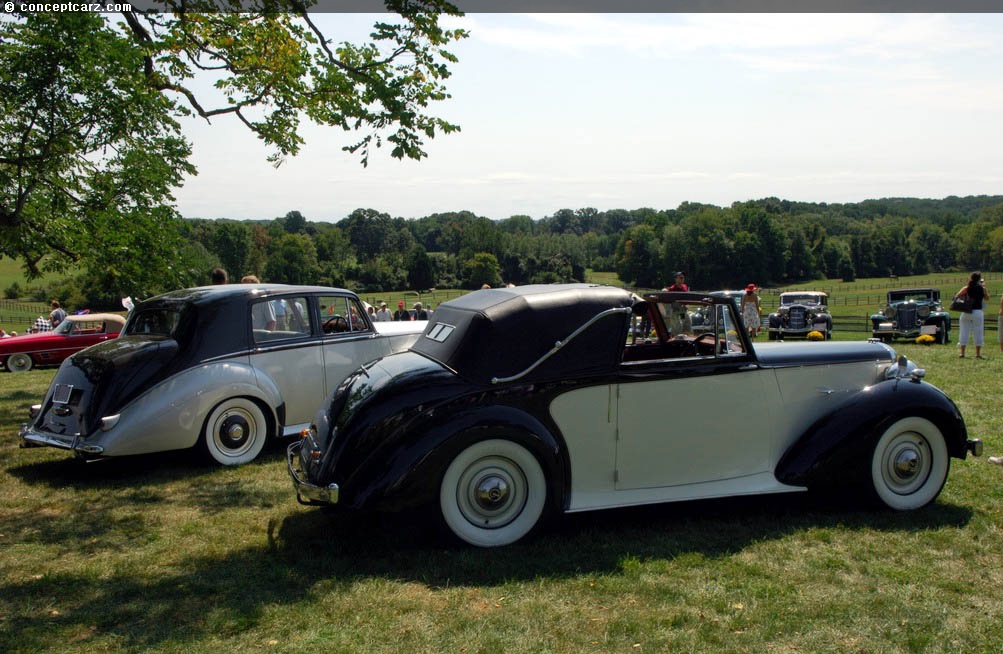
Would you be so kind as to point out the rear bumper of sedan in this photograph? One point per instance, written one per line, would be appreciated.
(31, 437)
(307, 493)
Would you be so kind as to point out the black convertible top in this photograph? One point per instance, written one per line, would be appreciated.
(497, 333)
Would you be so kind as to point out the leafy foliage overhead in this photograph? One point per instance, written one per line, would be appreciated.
(91, 148)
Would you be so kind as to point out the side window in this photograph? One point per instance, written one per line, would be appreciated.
(686, 331)
(730, 331)
(262, 317)
(279, 319)
(292, 314)
(341, 315)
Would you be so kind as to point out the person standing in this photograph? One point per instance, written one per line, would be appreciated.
(262, 313)
(679, 284)
(384, 315)
(219, 276)
(752, 312)
(972, 322)
(401, 313)
(419, 313)
(57, 315)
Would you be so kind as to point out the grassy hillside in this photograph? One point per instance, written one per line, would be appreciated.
(17, 315)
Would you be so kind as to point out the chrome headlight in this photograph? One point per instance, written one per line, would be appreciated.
(923, 310)
(888, 312)
(904, 368)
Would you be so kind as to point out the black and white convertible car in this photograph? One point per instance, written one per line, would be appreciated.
(516, 403)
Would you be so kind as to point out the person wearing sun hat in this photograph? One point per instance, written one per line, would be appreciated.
(752, 312)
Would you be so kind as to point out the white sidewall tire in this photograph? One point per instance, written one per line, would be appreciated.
(19, 362)
(909, 464)
(235, 413)
(514, 515)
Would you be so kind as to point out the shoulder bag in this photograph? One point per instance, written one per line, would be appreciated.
(962, 302)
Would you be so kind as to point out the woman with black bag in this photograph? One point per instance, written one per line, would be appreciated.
(973, 322)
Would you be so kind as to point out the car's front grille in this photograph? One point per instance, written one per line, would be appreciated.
(797, 318)
(907, 317)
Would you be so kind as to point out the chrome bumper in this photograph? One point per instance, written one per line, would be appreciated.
(307, 493)
(73, 442)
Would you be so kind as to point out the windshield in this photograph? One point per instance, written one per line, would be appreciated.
(802, 298)
(74, 327)
(913, 296)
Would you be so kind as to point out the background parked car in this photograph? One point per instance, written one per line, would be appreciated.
(562, 413)
(21, 353)
(911, 312)
(224, 367)
(800, 313)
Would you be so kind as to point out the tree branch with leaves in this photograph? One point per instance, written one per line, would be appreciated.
(91, 149)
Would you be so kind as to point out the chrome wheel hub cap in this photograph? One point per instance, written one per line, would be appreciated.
(492, 492)
(234, 431)
(906, 464)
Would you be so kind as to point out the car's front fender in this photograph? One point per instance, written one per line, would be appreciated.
(170, 415)
(836, 445)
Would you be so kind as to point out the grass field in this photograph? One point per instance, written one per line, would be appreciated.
(17, 315)
(162, 553)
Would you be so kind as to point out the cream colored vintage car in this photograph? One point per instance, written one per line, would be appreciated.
(221, 367)
(517, 403)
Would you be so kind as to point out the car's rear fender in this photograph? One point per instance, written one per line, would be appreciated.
(403, 475)
(835, 445)
(171, 415)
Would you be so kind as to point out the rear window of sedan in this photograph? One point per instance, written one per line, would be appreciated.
(157, 321)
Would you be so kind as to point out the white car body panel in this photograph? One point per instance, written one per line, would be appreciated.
(717, 438)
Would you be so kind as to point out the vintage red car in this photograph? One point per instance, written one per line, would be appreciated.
(20, 353)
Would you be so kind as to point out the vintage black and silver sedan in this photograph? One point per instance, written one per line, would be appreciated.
(912, 312)
(799, 314)
(516, 403)
(224, 367)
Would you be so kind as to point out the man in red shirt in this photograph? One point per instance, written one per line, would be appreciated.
(680, 284)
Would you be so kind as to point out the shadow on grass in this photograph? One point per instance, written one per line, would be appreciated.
(170, 606)
(64, 470)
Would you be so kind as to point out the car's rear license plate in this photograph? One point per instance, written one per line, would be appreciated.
(62, 393)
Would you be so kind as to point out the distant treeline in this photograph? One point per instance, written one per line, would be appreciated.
(769, 242)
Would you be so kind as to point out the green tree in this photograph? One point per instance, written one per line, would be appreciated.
(638, 257)
(90, 148)
(292, 259)
(420, 271)
(480, 269)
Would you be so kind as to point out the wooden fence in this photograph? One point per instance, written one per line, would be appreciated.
(18, 315)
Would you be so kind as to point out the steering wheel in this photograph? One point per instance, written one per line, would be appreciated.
(335, 324)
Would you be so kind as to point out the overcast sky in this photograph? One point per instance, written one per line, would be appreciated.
(630, 110)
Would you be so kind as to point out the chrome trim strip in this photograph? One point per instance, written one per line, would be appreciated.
(559, 344)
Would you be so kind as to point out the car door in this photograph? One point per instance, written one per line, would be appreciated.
(695, 418)
(349, 338)
(290, 354)
(678, 424)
